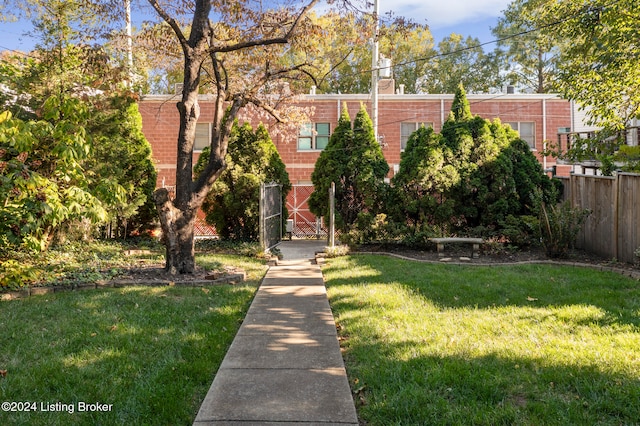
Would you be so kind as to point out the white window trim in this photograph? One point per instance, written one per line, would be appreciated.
(532, 146)
(417, 126)
(313, 136)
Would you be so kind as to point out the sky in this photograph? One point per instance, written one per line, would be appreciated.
(467, 17)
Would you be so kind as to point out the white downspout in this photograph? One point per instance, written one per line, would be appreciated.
(544, 132)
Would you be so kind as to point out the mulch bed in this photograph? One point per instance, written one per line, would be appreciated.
(151, 275)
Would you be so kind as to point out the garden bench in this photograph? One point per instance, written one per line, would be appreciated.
(475, 242)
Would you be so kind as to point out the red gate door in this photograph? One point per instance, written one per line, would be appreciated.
(305, 223)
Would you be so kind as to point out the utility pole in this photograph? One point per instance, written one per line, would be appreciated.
(374, 69)
(127, 5)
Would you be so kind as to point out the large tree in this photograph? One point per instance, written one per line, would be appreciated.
(251, 39)
(591, 48)
(342, 54)
(588, 52)
(73, 119)
(531, 55)
(339, 54)
(601, 67)
(461, 60)
(409, 47)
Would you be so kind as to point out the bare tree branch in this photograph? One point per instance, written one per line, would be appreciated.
(269, 41)
(172, 23)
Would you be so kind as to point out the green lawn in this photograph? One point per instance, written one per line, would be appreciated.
(520, 345)
(149, 352)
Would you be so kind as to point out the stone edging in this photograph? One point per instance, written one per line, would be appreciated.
(34, 291)
(625, 272)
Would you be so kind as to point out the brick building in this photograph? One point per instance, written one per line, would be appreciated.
(538, 118)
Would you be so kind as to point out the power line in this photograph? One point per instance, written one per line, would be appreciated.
(494, 41)
(17, 52)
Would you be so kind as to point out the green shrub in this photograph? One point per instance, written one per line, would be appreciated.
(242, 248)
(370, 228)
(233, 204)
(630, 156)
(559, 227)
(14, 274)
(476, 177)
(337, 251)
(521, 231)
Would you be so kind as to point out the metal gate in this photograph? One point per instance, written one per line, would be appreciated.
(305, 223)
(270, 215)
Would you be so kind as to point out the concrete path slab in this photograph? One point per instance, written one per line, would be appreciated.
(288, 321)
(262, 396)
(301, 250)
(284, 366)
(283, 351)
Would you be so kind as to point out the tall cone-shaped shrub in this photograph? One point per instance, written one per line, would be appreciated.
(330, 166)
(353, 160)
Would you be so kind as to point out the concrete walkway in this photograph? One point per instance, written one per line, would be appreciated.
(284, 365)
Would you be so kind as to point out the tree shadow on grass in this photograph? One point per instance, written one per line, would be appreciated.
(487, 390)
(150, 352)
(615, 297)
(414, 379)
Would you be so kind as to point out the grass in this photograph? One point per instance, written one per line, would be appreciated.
(149, 352)
(520, 345)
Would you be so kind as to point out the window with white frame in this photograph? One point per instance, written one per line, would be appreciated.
(313, 136)
(527, 130)
(203, 136)
(406, 129)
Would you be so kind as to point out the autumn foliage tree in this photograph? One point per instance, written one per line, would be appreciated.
(241, 50)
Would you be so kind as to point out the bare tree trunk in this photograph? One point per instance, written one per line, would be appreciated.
(177, 217)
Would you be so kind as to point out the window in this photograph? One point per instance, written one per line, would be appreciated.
(527, 131)
(313, 136)
(203, 136)
(406, 129)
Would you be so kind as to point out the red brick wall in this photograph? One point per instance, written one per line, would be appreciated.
(161, 123)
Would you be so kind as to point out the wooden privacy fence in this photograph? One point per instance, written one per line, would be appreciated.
(613, 228)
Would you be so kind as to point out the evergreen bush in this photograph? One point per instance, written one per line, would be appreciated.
(475, 177)
(233, 204)
(353, 160)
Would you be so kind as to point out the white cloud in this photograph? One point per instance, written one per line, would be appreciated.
(445, 13)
